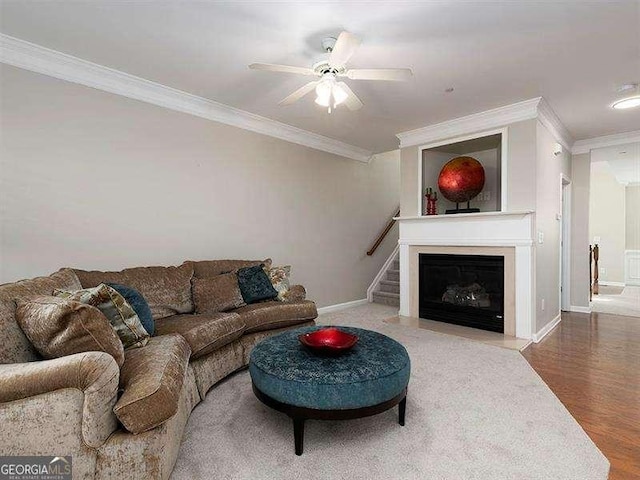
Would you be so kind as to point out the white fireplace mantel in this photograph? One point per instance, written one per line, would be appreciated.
(486, 229)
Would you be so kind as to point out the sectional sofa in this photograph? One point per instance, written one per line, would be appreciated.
(65, 406)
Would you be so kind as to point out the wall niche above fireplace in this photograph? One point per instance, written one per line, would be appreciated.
(464, 290)
(488, 148)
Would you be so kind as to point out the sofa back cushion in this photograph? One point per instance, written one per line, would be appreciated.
(58, 327)
(167, 290)
(14, 345)
(212, 268)
(217, 294)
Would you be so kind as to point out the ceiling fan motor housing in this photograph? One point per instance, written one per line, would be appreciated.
(323, 67)
(328, 43)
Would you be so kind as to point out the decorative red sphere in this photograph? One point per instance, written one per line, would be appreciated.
(461, 179)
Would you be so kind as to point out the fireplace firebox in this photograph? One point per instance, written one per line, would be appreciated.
(464, 290)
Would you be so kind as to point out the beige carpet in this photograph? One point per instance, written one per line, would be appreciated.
(474, 412)
(617, 301)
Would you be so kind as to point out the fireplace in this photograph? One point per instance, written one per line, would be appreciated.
(464, 290)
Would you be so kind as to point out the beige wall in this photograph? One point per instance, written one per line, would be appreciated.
(409, 185)
(580, 185)
(549, 169)
(632, 220)
(94, 180)
(521, 166)
(607, 221)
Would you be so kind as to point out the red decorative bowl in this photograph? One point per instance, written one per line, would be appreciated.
(330, 341)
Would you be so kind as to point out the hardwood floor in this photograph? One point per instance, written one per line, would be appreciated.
(592, 364)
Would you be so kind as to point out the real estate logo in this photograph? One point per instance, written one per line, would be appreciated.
(35, 468)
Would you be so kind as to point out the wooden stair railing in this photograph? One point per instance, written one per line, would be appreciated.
(594, 257)
(386, 230)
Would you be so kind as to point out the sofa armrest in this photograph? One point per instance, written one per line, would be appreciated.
(95, 374)
(296, 293)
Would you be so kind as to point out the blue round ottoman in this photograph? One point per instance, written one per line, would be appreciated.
(368, 379)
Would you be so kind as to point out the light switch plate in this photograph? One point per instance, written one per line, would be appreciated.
(540, 237)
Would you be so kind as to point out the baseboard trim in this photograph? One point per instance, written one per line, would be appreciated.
(612, 284)
(342, 306)
(576, 309)
(544, 331)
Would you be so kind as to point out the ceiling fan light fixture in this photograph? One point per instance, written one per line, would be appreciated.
(339, 95)
(323, 94)
(330, 90)
(329, 94)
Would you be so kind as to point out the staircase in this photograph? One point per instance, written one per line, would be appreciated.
(388, 289)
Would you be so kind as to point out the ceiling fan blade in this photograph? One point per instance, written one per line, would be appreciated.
(352, 102)
(270, 67)
(389, 74)
(298, 94)
(345, 47)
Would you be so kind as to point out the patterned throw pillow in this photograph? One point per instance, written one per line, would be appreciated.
(122, 316)
(279, 277)
(255, 284)
(138, 303)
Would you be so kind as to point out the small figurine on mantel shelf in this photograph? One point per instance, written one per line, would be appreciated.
(430, 204)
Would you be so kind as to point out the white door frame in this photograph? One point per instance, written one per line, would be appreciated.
(565, 242)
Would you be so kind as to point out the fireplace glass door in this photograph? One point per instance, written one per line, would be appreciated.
(463, 289)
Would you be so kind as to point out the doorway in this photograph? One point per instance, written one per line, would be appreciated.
(565, 243)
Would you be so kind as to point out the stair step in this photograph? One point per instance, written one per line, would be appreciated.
(387, 298)
(393, 275)
(395, 265)
(390, 286)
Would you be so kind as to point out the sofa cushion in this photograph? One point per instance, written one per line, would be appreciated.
(58, 327)
(212, 268)
(204, 333)
(216, 294)
(151, 379)
(138, 303)
(123, 318)
(15, 347)
(255, 284)
(167, 290)
(274, 314)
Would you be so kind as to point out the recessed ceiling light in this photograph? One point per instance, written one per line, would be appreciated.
(449, 90)
(629, 101)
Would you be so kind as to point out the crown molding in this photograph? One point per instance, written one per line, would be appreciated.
(549, 119)
(29, 56)
(476, 122)
(585, 146)
(490, 119)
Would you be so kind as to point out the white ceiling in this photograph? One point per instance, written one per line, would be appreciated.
(623, 161)
(573, 53)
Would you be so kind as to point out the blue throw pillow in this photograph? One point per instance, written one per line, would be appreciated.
(255, 284)
(139, 305)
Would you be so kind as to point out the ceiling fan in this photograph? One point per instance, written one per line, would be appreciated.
(329, 91)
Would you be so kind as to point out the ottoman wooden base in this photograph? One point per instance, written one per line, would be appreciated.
(300, 414)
